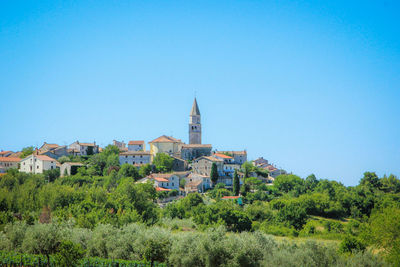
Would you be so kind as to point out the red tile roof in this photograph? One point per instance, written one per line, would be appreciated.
(160, 179)
(166, 139)
(9, 159)
(51, 145)
(222, 156)
(210, 158)
(5, 152)
(140, 142)
(162, 189)
(230, 197)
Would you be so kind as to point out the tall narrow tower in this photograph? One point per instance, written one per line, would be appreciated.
(195, 125)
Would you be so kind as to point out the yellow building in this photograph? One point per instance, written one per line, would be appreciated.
(165, 144)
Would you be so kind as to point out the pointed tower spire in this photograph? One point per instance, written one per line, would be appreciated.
(195, 108)
(195, 124)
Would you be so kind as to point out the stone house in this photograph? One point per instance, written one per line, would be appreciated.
(138, 145)
(229, 165)
(70, 168)
(239, 157)
(5, 153)
(8, 163)
(179, 165)
(169, 181)
(197, 183)
(192, 151)
(83, 149)
(136, 158)
(53, 150)
(203, 165)
(260, 161)
(121, 145)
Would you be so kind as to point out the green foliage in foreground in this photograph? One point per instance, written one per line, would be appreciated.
(138, 244)
(110, 214)
(22, 259)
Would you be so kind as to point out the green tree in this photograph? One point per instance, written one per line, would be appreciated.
(214, 173)
(311, 182)
(26, 151)
(390, 184)
(51, 175)
(247, 167)
(351, 244)
(42, 239)
(370, 180)
(236, 183)
(292, 214)
(156, 250)
(145, 170)
(69, 254)
(128, 170)
(384, 233)
(63, 159)
(163, 162)
(289, 182)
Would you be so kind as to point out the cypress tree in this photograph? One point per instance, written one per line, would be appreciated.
(214, 173)
(236, 183)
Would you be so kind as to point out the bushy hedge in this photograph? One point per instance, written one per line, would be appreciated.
(213, 247)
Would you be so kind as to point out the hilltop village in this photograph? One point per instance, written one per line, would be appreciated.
(193, 167)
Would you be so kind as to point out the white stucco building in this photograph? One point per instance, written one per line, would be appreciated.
(37, 164)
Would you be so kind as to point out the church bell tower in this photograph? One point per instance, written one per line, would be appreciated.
(194, 124)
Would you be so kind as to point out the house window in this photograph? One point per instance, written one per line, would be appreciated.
(37, 167)
(51, 167)
(167, 184)
(172, 184)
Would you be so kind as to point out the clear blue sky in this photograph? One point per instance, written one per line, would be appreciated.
(313, 86)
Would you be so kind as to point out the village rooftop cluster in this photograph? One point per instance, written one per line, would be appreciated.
(192, 162)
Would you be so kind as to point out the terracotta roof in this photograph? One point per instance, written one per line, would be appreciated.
(135, 153)
(195, 175)
(160, 179)
(160, 175)
(211, 158)
(51, 145)
(166, 139)
(222, 156)
(45, 158)
(162, 189)
(230, 197)
(5, 152)
(9, 159)
(193, 183)
(16, 154)
(196, 145)
(140, 142)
